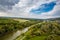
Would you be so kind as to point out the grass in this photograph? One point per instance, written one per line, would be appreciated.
(37, 38)
(57, 38)
(19, 37)
(21, 20)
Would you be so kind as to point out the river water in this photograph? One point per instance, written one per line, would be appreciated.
(12, 36)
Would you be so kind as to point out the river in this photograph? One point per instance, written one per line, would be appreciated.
(12, 36)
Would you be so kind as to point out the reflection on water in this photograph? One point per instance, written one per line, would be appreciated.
(13, 35)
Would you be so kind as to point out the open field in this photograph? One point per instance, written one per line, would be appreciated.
(23, 29)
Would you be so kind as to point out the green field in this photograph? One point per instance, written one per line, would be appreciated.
(42, 31)
(36, 29)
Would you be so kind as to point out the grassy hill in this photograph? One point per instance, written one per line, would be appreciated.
(46, 30)
(39, 29)
(13, 24)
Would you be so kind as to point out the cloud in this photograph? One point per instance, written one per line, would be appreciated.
(7, 4)
(3, 14)
(22, 8)
(44, 8)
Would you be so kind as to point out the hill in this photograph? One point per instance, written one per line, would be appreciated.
(47, 30)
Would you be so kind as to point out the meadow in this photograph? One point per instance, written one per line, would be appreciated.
(45, 29)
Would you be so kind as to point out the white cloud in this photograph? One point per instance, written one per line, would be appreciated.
(22, 9)
(3, 14)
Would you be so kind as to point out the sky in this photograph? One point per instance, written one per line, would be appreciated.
(39, 9)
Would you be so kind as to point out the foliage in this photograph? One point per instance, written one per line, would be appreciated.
(50, 29)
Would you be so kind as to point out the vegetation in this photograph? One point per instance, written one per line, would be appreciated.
(46, 30)
(10, 25)
(38, 29)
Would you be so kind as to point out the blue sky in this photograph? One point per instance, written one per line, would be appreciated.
(30, 8)
(44, 8)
